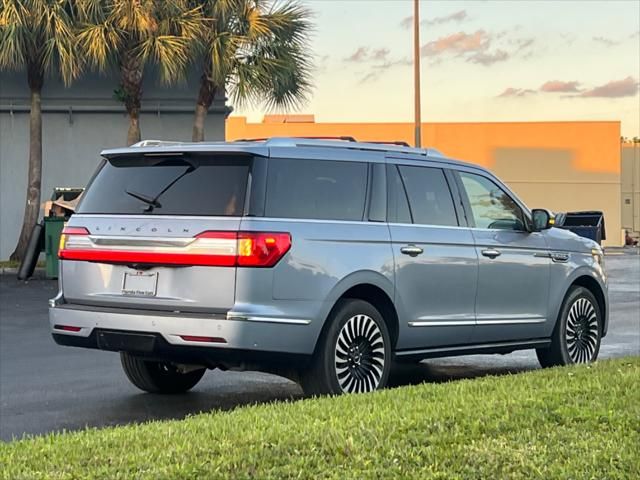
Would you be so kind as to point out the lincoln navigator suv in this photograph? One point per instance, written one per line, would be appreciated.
(324, 261)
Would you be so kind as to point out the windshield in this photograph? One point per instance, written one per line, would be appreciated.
(176, 185)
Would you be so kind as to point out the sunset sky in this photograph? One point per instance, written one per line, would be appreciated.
(481, 61)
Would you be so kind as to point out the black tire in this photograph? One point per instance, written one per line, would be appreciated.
(353, 354)
(158, 377)
(578, 331)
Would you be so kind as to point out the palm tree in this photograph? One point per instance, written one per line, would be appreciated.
(132, 34)
(36, 36)
(256, 51)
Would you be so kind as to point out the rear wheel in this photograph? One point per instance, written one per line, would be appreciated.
(576, 337)
(353, 355)
(158, 377)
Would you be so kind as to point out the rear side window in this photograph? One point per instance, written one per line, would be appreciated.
(397, 203)
(195, 185)
(316, 189)
(430, 199)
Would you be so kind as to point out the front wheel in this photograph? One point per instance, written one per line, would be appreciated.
(353, 354)
(158, 377)
(576, 337)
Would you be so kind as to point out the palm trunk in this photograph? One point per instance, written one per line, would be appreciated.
(133, 133)
(198, 123)
(34, 174)
(206, 95)
(131, 83)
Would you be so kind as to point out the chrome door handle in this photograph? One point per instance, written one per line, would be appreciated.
(491, 252)
(411, 250)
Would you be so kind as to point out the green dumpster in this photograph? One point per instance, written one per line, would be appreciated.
(52, 231)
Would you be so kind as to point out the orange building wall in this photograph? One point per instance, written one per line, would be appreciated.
(564, 166)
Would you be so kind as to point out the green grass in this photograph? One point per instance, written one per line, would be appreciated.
(568, 423)
(9, 264)
(16, 264)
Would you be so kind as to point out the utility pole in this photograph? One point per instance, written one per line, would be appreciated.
(416, 73)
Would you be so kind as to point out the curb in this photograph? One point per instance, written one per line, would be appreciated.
(38, 274)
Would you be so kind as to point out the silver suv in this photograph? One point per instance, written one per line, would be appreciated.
(320, 260)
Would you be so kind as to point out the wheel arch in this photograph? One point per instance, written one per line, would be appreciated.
(591, 284)
(372, 287)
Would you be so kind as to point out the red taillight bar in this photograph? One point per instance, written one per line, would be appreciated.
(67, 328)
(194, 338)
(210, 248)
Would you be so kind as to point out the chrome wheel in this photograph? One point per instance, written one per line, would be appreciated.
(359, 356)
(582, 333)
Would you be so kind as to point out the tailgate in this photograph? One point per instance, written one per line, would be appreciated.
(138, 241)
(158, 286)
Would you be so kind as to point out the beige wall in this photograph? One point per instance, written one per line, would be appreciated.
(630, 187)
(562, 166)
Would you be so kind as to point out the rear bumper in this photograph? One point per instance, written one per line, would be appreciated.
(236, 333)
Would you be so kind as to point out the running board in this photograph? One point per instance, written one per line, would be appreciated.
(477, 349)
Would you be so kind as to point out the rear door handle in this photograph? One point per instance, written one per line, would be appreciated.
(411, 250)
(491, 252)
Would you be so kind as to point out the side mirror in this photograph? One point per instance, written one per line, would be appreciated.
(542, 219)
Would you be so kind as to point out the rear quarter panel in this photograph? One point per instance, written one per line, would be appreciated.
(325, 260)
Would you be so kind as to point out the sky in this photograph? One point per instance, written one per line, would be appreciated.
(511, 60)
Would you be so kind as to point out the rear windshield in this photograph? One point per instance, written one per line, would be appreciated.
(176, 185)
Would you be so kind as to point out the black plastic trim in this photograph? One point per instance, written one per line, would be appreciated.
(378, 196)
(481, 348)
(210, 356)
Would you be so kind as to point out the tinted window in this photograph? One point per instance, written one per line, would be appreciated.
(429, 196)
(179, 186)
(316, 189)
(397, 203)
(490, 205)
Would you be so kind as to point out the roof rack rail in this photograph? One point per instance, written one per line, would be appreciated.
(400, 143)
(156, 143)
(344, 138)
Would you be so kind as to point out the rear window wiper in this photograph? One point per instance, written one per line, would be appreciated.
(152, 202)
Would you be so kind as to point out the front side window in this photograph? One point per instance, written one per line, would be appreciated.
(316, 189)
(491, 207)
(430, 199)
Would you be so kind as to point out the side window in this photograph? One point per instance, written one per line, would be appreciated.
(490, 205)
(316, 189)
(397, 203)
(430, 199)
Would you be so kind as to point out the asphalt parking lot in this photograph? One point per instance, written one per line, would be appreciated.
(45, 387)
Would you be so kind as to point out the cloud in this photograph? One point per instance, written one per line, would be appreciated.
(380, 54)
(453, 17)
(457, 17)
(523, 43)
(364, 54)
(627, 87)
(555, 86)
(607, 42)
(369, 77)
(360, 55)
(516, 92)
(407, 22)
(486, 59)
(459, 43)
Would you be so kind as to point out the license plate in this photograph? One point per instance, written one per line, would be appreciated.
(140, 284)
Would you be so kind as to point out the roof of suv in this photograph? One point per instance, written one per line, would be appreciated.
(261, 147)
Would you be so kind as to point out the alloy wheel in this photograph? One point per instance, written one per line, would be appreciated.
(582, 332)
(359, 355)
